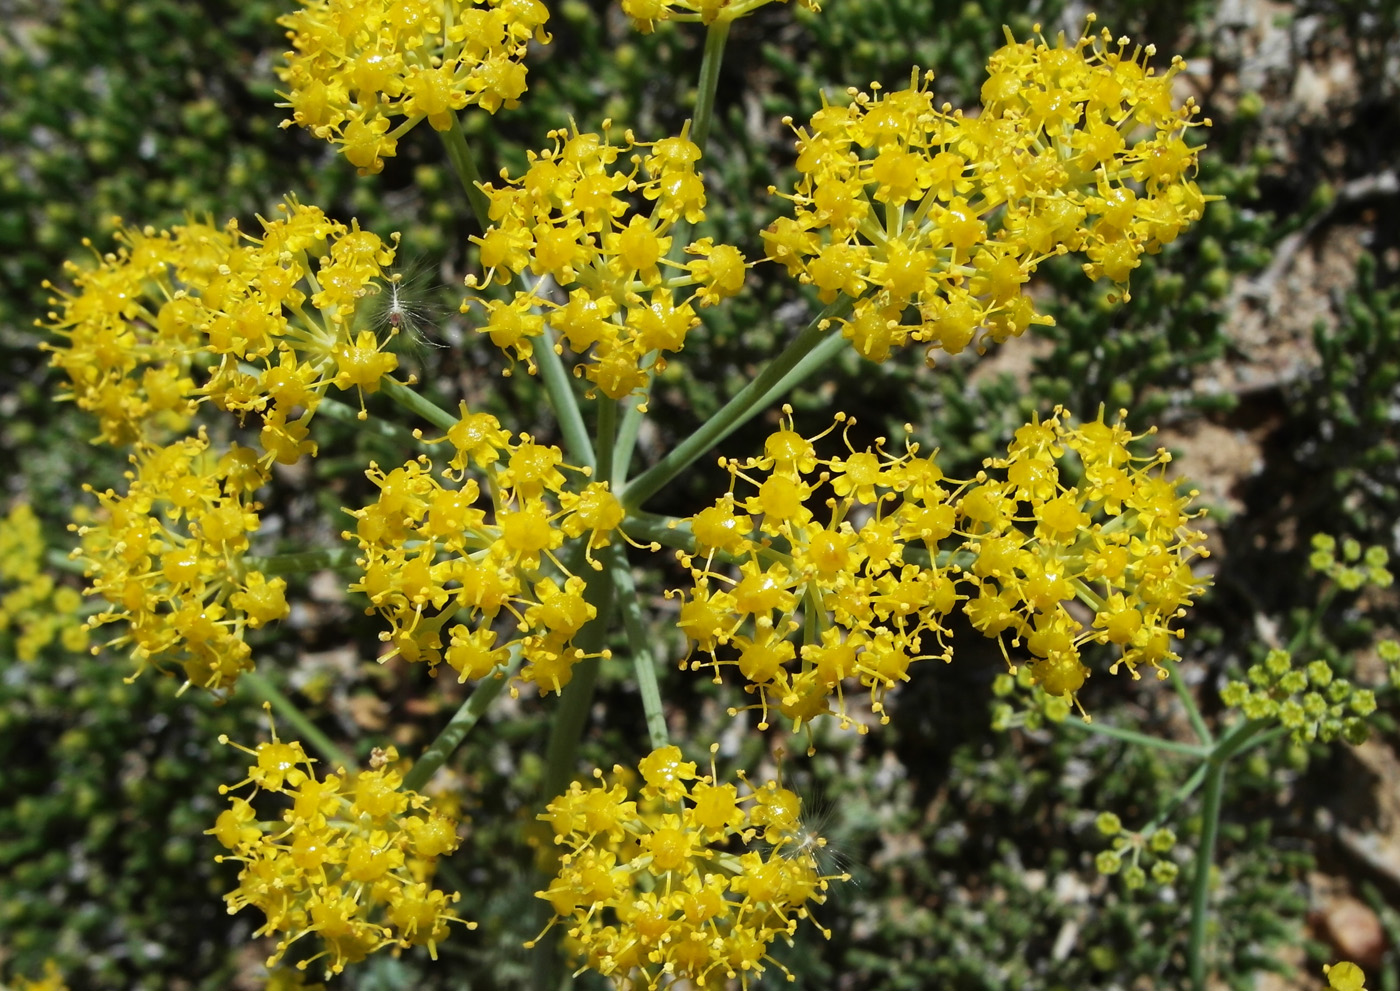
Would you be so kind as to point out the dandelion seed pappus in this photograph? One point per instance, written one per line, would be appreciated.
(403, 306)
(809, 839)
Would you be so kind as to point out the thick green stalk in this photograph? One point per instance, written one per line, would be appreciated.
(1228, 745)
(560, 388)
(346, 413)
(638, 638)
(605, 438)
(301, 562)
(715, 37)
(455, 141)
(626, 442)
(417, 404)
(1141, 739)
(288, 711)
(452, 735)
(1193, 712)
(1200, 884)
(642, 526)
(811, 348)
(708, 83)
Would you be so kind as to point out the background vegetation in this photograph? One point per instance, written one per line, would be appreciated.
(1266, 344)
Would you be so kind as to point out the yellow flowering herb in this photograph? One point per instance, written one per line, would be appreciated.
(907, 207)
(34, 609)
(255, 325)
(573, 220)
(645, 14)
(469, 549)
(357, 65)
(347, 857)
(900, 547)
(688, 880)
(168, 556)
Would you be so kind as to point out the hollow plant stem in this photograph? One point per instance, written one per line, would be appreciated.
(638, 639)
(288, 711)
(1225, 748)
(1140, 739)
(464, 164)
(301, 562)
(809, 350)
(417, 404)
(1193, 711)
(557, 383)
(450, 737)
(715, 38)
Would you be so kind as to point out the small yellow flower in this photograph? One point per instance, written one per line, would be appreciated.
(1345, 976)
(645, 14)
(168, 556)
(201, 313)
(440, 548)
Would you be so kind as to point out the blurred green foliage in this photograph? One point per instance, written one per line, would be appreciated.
(974, 850)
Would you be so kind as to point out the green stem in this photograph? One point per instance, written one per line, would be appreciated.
(1187, 789)
(605, 437)
(1228, 745)
(345, 413)
(812, 348)
(1200, 885)
(1324, 602)
(418, 405)
(642, 526)
(715, 37)
(1141, 739)
(560, 389)
(452, 735)
(455, 141)
(1193, 711)
(627, 438)
(302, 562)
(288, 711)
(638, 638)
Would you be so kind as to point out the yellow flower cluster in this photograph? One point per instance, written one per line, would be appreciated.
(653, 891)
(1117, 541)
(32, 605)
(902, 547)
(52, 980)
(645, 14)
(358, 63)
(195, 313)
(569, 222)
(431, 551)
(167, 555)
(907, 207)
(349, 860)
